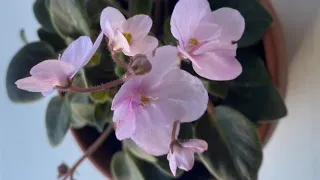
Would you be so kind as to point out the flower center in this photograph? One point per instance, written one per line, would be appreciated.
(128, 36)
(145, 100)
(193, 41)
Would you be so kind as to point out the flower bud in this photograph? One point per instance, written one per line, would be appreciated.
(140, 64)
(62, 170)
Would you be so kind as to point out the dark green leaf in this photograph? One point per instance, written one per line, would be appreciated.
(40, 10)
(217, 88)
(103, 115)
(254, 72)
(257, 19)
(69, 18)
(261, 103)
(126, 167)
(142, 6)
(20, 65)
(94, 9)
(186, 131)
(234, 151)
(137, 151)
(57, 120)
(53, 39)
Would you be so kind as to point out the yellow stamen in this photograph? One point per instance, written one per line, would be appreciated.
(145, 100)
(193, 41)
(128, 36)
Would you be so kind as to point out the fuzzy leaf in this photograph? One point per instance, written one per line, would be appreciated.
(69, 18)
(234, 151)
(137, 151)
(41, 12)
(53, 39)
(57, 120)
(19, 67)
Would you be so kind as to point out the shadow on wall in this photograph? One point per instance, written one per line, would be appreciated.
(296, 29)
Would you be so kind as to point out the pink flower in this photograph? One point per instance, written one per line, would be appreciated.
(48, 74)
(131, 35)
(182, 154)
(146, 106)
(208, 38)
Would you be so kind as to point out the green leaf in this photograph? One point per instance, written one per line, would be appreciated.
(69, 18)
(142, 7)
(84, 112)
(19, 67)
(125, 167)
(217, 88)
(261, 103)
(186, 131)
(100, 96)
(257, 19)
(137, 151)
(254, 72)
(53, 39)
(234, 151)
(57, 120)
(40, 10)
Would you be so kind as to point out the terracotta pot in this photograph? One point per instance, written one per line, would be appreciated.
(276, 59)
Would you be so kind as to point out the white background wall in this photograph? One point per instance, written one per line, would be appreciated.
(292, 154)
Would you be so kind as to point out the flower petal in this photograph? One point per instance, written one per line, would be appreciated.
(77, 52)
(110, 20)
(186, 16)
(138, 26)
(120, 42)
(93, 50)
(126, 92)
(126, 126)
(219, 66)
(33, 84)
(142, 46)
(164, 60)
(197, 145)
(206, 32)
(150, 136)
(172, 163)
(57, 71)
(184, 158)
(187, 106)
(230, 20)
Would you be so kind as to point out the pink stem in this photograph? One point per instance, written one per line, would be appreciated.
(96, 88)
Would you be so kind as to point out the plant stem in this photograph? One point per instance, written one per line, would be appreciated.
(173, 135)
(96, 88)
(90, 151)
(121, 62)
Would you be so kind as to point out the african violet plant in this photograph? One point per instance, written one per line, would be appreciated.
(191, 89)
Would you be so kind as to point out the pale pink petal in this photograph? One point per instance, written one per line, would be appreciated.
(150, 136)
(184, 158)
(33, 84)
(138, 26)
(218, 66)
(230, 20)
(206, 32)
(120, 42)
(142, 46)
(92, 51)
(111, 18)
(108, 31)
(122, 110)
(172, 163)
(217, 46)
(165, 59)
(77, 51)
(126, 92)
(197, 145)
(186, 17)
(56, 70)
(47, 93)
(126, 126)
(183, 93)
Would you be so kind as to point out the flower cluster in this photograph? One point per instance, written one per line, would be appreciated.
(156, 95)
